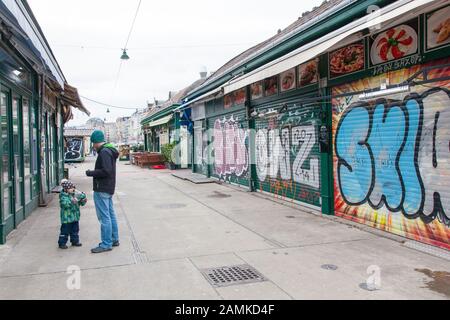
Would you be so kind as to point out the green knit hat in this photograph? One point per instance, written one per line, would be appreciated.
(98, 137)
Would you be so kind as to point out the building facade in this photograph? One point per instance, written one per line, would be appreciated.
(35, 102)
(344, 112)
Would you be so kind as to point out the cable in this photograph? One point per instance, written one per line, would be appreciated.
(212, 45)
(116, 81)
(132, 25)
(107, 104)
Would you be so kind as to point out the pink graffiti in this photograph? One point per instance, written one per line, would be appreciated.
(231, 155)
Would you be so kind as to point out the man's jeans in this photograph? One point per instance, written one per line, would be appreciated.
(107, 218)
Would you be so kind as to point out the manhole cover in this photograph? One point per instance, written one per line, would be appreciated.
(219, 195)
(171, 206)
(231, 276)
(331, 267)
(368, 287)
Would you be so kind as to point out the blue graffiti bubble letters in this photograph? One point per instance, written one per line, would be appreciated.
(395, 154)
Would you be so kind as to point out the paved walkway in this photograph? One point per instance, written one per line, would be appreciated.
(171, 229)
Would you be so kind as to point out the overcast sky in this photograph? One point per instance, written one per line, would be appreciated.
(171, 42)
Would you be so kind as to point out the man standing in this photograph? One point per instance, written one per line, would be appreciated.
(104, 187)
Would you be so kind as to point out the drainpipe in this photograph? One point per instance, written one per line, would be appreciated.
(252, 145)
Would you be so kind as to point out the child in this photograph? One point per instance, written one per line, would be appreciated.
(70, 201)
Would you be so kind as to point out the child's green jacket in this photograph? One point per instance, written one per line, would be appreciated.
(70, 212)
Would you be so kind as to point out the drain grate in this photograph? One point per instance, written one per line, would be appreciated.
(219, 195)
(231, 276)
(331, 267)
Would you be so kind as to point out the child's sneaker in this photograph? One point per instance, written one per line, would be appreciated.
(77, 245)
(64, 247)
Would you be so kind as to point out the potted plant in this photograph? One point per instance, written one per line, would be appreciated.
(167, 150)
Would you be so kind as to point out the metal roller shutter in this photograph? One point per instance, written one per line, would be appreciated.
(288, 155)
(229, 142)
(392, 158)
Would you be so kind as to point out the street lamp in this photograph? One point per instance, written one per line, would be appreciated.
(125, 55)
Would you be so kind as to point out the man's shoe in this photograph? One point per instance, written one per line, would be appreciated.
(77, 245)
(100, 250)
(116, 244)
(64, 247)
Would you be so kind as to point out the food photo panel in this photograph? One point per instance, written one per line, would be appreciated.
(438, 28)
(394, 43)
(271, 86)
(347, 60)
(287, 80)
(256, 90)
(308, 73)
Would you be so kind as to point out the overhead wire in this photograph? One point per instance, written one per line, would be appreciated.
(125, 48)
(108, 105)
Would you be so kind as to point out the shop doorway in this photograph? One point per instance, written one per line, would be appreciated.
(12, 169)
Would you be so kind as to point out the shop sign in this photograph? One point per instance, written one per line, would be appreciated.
(397, 64)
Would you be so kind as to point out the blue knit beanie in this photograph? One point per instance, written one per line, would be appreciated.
(98, 137)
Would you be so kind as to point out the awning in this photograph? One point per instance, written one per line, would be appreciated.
(71, 97)
(161, 121)
(321, 45)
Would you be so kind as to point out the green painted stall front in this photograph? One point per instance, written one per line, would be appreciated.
(287, 152)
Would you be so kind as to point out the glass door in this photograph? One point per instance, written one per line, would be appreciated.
(17, 157)
(26, 119)
(6, 183)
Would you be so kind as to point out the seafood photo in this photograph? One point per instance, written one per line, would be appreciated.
(308, 73)
(438, 28)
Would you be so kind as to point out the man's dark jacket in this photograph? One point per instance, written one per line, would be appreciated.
(105, 170)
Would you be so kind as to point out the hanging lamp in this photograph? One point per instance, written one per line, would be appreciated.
(125, 55)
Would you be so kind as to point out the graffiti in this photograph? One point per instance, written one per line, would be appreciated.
(396, 154)
(274, 152)
(74, 149)
(230, 148)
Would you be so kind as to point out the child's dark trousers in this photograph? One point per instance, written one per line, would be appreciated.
(69, 230)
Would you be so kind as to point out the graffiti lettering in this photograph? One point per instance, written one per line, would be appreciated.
(395, 154)
(274, 150)
(74, 149)
(230, 147)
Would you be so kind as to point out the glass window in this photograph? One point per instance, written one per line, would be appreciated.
(26, 148)
(5, 154)
(34, 150)
(16, 148)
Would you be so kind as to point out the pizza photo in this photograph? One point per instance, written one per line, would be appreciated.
(348, 59)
